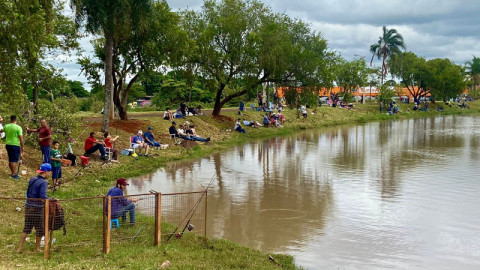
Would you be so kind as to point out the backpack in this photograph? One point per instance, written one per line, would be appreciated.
(56, 217)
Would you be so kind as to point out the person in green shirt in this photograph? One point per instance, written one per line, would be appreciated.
(56, 158)
(14, 145)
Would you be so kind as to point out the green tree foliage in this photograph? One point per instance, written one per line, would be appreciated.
(77, 89)
(390, 43)
(351, 74)
(172, 88)
(412, 71)
(242, 44)
(473, 70)
(30, 30)
(116, 20)
(386, 94)
(446, 79)
(153, 42)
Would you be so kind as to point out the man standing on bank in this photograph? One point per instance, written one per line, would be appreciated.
(44, 137)
(34, 216)
(14, 145)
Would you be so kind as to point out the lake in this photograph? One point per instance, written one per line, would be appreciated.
(393, 194)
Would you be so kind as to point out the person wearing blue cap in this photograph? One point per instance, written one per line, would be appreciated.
(37, 189)
(150, 138)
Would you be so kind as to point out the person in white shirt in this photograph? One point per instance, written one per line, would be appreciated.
(304, 112)
(238, 127)
(2, 134)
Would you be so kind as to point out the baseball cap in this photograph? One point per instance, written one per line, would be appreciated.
(45, 167)
(122, 181)
(140, 132)
(150, 128)
(173, 123)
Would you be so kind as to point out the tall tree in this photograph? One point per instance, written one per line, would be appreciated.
(225, 35)
(236, 40)
(473, 69)
(412, 71)
(390, 43)
(446, 78)
(114, 19)
(352, 74)
(30, 31)
(153, 41)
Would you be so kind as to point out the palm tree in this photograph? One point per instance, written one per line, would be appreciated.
(114, 19)
(388, 44)
(473, 69)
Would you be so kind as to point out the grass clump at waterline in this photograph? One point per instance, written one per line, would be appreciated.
(191, 251)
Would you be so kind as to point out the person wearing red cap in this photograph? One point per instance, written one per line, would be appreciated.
(37, 189)
(120, 204)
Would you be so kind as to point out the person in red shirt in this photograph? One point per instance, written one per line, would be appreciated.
(92, 145)
(108, 144)
(44, 138)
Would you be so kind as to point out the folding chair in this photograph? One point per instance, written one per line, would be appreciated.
(108, 153)
(176, 139)
(132, 144)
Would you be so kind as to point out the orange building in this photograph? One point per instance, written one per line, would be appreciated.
(370, 91)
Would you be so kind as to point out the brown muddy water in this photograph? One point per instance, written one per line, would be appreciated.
(394, 194)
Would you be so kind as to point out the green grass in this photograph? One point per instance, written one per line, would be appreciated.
(81, 248)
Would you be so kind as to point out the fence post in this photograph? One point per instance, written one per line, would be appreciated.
(158, 219)
(46, 242)
(106, 223)
(205, 231)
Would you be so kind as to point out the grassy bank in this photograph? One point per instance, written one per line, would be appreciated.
(191, 252)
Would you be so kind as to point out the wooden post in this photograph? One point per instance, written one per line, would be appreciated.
(46, 229)
(158, 219)
(104, 213)
(106, 224)
(205, 231)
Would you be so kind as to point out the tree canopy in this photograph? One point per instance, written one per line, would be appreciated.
(244, 40)
(388, 44)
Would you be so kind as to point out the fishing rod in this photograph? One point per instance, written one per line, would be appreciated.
(191, 213)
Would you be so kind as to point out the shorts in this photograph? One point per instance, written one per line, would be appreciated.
(56, 172)
(304, 115)
(34, 219)
(13, 152)
(166, 118)
(135, 145)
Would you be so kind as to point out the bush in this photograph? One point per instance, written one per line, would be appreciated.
(348, 97)
(96, 106)
(85, 104)
(386, 94)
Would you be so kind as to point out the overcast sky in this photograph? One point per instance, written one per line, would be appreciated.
(430, 28)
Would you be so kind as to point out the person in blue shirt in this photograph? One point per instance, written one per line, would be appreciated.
(37, 189)
(120, 205)
(139, 142)
(150, 138)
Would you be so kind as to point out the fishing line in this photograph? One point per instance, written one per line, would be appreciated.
(191, 212)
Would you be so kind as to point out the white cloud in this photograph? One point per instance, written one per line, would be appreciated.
(431, 28)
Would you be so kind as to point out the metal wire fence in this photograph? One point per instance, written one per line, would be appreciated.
(102, 223)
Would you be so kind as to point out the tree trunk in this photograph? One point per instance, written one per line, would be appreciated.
(218, 104)
(121, 103)
(108, 82)
(383, 67)
(35, 97)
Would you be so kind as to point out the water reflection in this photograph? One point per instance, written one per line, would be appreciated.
(390, 194)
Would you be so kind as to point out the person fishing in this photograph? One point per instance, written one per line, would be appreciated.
(120, 205)
(44, 138)
(37, 189)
